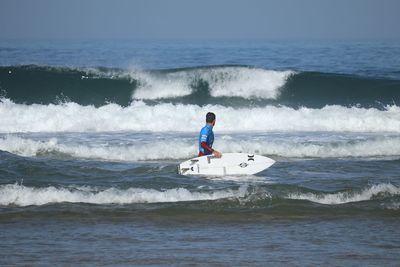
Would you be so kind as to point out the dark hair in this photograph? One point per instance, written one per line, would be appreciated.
(210, 117)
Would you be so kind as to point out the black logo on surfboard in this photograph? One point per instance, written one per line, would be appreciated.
(243, 164)
(250, 157)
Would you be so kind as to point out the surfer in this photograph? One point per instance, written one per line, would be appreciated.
(206, 138)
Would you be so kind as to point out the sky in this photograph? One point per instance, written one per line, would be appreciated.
(201, 19)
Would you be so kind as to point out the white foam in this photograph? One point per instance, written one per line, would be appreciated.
(20, 195)
(393, 206)
(222, 81)
(347, 197)
(71, 117)
(170, 85)
(160, 149)
(148, 151)
(247, 83)
(389, 146)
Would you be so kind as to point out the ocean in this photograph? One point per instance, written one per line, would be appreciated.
(91, 133)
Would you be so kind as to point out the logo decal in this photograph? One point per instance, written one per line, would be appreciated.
(243, 164)
(250, 157)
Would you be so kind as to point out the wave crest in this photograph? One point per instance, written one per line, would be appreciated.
(235, 81)
(20, 195)
(348, 197)
(228, 85)
(156, 150)
(71, 117)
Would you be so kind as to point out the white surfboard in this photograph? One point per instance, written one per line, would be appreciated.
(228, 164)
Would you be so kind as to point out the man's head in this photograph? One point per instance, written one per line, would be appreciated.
(210, 118)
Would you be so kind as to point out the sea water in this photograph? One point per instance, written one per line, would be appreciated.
(91, 133)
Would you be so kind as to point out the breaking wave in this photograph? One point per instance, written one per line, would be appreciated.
(20, 195)
(160, 149)
(348, 197)
(226, 85)
(139, 116)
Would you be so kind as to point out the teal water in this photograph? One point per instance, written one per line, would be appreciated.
(99, 86)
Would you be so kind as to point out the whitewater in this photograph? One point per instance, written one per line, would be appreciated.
(140, 116)
(152, 148)
(20, 195)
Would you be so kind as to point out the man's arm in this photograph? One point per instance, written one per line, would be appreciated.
(212, 151)
(206, 147)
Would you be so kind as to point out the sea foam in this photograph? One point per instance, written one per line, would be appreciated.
(71, 117)
(20, 195)
(347, 197)
(160, 149)
(222, 81)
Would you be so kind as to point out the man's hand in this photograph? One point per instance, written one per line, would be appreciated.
(217, 154)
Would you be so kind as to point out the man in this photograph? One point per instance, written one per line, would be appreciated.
(206, 138)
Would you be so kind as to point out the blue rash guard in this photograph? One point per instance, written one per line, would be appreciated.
(206, 140)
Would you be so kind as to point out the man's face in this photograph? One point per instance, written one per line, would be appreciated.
(213, 123)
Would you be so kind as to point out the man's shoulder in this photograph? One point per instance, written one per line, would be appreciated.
(204, 129)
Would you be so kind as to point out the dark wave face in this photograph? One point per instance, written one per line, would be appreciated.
(44, 85)
(237, 86)
(316, 89)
